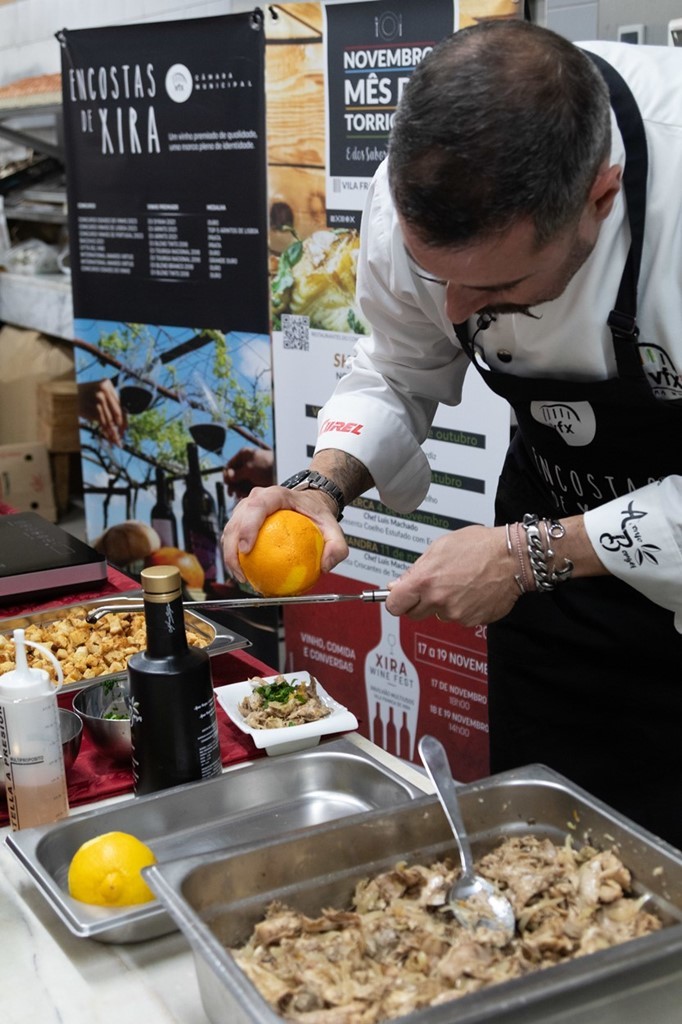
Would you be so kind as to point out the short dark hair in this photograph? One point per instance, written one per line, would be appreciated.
(500, 122)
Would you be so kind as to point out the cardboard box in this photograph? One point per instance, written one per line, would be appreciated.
(58, 415)
(26, 479)
(66, 478)
(27, 359)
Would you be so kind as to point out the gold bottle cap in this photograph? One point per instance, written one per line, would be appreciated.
(162, 579)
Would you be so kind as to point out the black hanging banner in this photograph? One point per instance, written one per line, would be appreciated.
(165, 140)
(372, 51)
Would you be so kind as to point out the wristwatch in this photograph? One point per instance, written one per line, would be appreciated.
(309, 479)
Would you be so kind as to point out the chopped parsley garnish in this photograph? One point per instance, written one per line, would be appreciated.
(280, 691)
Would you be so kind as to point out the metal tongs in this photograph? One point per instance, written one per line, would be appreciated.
(135, 604)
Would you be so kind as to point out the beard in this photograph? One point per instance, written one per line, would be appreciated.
(577, 255)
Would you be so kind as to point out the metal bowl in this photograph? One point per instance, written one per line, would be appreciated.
(93, 703)
(71, 728)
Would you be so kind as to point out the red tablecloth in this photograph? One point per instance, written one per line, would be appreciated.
(93, 776)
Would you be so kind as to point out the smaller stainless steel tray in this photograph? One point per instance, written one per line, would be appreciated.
(220, 639)
(217, 898)
(251, 803)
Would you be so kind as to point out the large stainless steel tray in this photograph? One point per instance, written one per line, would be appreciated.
(217, 898)
(246, 804)
(220, 639)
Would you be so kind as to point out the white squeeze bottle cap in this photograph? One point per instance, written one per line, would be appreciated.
(23, 681)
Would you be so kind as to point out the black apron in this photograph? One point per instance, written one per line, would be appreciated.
(588, 678)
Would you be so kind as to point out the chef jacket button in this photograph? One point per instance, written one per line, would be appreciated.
(504, 355)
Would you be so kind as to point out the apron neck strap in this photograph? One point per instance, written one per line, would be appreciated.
(623, 318)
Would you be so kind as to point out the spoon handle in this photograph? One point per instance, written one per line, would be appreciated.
(432, 753)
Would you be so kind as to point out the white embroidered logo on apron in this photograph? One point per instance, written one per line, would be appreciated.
(665, 380)
(574, 422)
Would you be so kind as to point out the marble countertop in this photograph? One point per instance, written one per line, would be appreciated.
(49, 976)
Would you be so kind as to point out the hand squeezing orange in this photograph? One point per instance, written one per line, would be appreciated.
(286, 558)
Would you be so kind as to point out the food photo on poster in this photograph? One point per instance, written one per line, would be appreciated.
(314, 286)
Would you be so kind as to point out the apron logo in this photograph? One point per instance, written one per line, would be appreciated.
(660, 370)
(575, 423)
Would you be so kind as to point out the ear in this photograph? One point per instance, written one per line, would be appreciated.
(605, 188)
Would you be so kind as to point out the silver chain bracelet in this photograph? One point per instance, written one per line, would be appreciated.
(554, 531)
(540, 553)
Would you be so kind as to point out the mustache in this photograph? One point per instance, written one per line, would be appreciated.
(508, 308)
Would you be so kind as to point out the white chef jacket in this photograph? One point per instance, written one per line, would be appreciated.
(412, 360)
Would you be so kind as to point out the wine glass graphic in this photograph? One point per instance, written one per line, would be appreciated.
(137, 386)
(209, 435)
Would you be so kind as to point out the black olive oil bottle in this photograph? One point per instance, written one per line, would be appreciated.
(173, 721)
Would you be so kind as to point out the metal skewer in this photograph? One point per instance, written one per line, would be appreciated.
(134, 604)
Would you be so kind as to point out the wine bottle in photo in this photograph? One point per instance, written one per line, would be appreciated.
(405, 740)
(162, 516)
(199, 521)
(221, 505)
(391, 744)
(173, 722)
(221, 514)
(378, 727)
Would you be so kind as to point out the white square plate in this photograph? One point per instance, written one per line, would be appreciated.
(291, 737)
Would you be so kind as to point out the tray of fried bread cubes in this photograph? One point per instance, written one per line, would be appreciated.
(97, 651)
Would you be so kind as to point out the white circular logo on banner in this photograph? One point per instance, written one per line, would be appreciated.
(388, 25)
(179, 83)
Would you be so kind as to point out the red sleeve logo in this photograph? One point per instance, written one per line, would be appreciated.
(341, 427)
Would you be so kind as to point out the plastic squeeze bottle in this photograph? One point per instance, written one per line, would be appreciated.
(32, 757)
(173, 722)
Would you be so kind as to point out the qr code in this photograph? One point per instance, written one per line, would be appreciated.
(296, 331)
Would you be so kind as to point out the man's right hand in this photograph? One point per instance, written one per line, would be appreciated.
(250, 513)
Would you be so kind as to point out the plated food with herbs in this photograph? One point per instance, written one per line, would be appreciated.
(284, 712)
(282, 703)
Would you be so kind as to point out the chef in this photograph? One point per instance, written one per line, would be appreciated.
(527, 226)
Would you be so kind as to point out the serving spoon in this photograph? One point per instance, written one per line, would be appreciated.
(474, 900)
